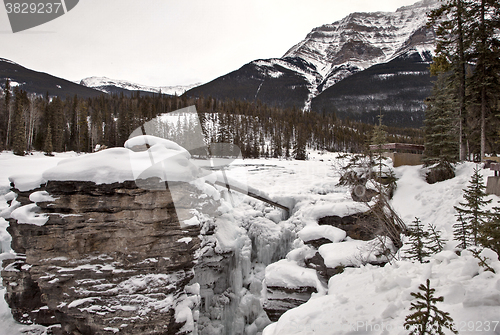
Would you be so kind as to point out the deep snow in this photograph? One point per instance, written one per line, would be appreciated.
(362, 300)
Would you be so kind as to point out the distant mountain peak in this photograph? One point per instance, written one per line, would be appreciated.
(105, 84)
(359, 65)
(361, 40)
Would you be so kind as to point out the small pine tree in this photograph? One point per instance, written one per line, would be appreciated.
(483, 260)
(472, 209)
(436, 242)
(385, 175)
(379, 137)
(427, 318)
(419, 248)
(461, 233)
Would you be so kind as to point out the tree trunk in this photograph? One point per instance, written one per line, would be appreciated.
(461, 74)
(482, 64)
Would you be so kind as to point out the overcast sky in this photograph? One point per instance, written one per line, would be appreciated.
(171, 42)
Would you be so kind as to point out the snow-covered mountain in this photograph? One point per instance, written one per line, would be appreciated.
(41, 83)
(112, 85)
(333, 52)
(361, 40)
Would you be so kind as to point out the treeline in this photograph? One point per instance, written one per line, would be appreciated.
(51, 124)
(463, 113)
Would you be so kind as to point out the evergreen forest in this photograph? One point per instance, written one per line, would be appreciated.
(51, 124)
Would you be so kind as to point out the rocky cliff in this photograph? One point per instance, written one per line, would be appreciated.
(109, 258)
(99, 252)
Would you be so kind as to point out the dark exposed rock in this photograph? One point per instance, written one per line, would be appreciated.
(440, 172)
(318, 263)
(318, 242)
(281, 299)
(360, 193)
(360, 226)
(109, 258)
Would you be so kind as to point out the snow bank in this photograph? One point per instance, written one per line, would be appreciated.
(354, 252)
(41, 196)
(289, 274)
(121, 164)
(331, 233)
(164, 159)
(28, 214)
(148, 140)
(373, 300)
(26, 182)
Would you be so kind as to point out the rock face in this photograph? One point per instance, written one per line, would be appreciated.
(110, 258)
(308, 272)
(282, 299)
(360, 226)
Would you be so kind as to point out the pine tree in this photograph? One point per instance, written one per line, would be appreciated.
(485, 81)
(277, 145)
(450, 21)
(436, 242)
(299, 147)
(441, 124)
(471, 211)
(56, 110)
(47, 144)
(462, 233)
(427, 318)
(8, 96)
(82, 137)
(19, 127)
(419, 242)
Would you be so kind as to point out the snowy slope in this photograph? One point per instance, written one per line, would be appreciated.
(375, 300)
(104, 84)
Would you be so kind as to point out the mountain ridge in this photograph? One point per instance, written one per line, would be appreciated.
(40, 82)
(333, 52)
(108, 85)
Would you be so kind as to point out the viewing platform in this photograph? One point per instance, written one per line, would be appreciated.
(493, 182)
(401, 153)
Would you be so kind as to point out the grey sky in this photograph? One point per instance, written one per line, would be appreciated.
(171, 42)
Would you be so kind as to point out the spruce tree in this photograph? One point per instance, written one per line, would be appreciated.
(436, 242)
(19, 127)
(382, 170)
(7, 97)
(462, 233)
(300, 144)
(419, 242)
(441, 124)
(485, 80)
(427, 318)
(379, 137)
(471, 211)
(47, 144)
(450, 21)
